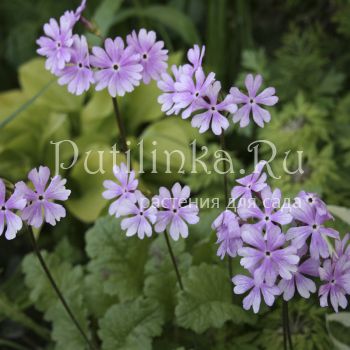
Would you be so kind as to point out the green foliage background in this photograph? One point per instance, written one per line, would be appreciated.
(124, 291)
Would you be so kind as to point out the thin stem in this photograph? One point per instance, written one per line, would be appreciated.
(284, 326)
(55, 287)
(124, 146)
(289, 335)
(173, 260)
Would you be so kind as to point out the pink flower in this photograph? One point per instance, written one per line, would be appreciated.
(174, 213)
(119, 68)
(212, 116)
(337, 286)
(56, 45)
(124, 188)
(272, 213)
(41, 206)
(8, 218)
(266, 256)
(140, 216)
(228, 234)
(78, 74)
(252, 101)
(257, 287)
(152, 56)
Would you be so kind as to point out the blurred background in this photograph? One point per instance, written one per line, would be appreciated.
(300, 47)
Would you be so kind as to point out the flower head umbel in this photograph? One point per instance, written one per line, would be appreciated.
(337, 286)
(56, 45)
(272, 213)
(266, 256)
(41, 197)
(212, 116)
(190, 90)
(255, 182)
(141, 214)
(311, 225)
(299, 281)
(257, 287)
(123, 189)
(228, 234)
(119, 68)
(175, 213)
(78, 74)
(8, 218)
(252, 101)
(152, 56)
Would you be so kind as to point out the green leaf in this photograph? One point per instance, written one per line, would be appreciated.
(131, 325)
(70, 282)
(105, 14)
(207, 300)
(118, 260)
(166, 15)
(341, 212)
(33, 77)
(342, 318)
(5, 120)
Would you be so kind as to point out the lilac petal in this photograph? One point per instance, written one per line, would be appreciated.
(253, 237)
(287, 287)
(178, 228)
(260, 115)
(310, 267)
(39, 178)
(242, 115)
(243, 283)
(266, 97)
(53, 212)
(33, 214)
(14, 224)
(253, 84)
(298, 235)
(304, 285)
(269, 293)
(237, 96)
(56, 190)
(2, 192)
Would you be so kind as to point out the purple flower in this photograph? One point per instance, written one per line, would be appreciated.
(77, 74)
(304, 285)
(312, 226)
(269, 216)
(257, 286)
(337, 286)
(40, 205)
(56, 45)
(314, 201)
(177, 213)
(167, 85)
(72, 17)
(228, 233)
(267, 257)
(141, 216)
(8, 218)
(211, 117)
(252, 101)
(80, 9)
(153, 57)
(123, 189)
(254, 182)
(190, 91)
(119, 68)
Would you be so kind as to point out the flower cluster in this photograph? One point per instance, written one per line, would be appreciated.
(283, 248)
(32, 203)
(117, 67)
(192, 93)
(168, 211)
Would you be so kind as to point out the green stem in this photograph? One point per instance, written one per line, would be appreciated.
(56, 289)
(287, 339)
(173, 260)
